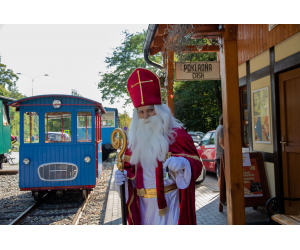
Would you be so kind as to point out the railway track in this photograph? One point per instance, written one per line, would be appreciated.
(51, 209)
(64, 208)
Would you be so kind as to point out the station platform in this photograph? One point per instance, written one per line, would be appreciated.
(207, 205)
(7, 170)
(10, 169)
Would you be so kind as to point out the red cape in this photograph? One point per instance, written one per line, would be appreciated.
(182, 147)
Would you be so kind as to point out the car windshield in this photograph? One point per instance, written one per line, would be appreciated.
(205, 139)
(200, 134)
(194, 135)
(212, 139)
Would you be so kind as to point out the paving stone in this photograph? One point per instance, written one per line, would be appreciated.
(207, 205)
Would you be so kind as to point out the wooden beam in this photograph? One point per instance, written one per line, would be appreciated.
(154, 50)
(207, 27)
(158, 40)
(205, 48)
(169, 59)
(207, 30)
(209, 34)
(161, 30)
(191, 49)
(232, 127)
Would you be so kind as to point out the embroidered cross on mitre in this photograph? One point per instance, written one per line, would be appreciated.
(144, 88)
(140, 83)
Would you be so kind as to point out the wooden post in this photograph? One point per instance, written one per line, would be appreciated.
(232, 127)
(170, 73)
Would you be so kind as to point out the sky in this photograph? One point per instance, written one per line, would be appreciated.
(71, 54)
(69, 40)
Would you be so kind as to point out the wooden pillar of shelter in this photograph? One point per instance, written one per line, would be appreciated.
(232, 127)
(169, 59)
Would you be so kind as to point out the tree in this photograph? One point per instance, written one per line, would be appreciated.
(125, 120)
(8, 88)
(198, 104)
(7, 77)
(195, 105)
(122, 63)
(3, 91)
(75, 93)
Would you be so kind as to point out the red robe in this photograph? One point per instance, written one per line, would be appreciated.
(182, 147)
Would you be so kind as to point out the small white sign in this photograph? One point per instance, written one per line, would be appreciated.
(246, 160)
(197, 71)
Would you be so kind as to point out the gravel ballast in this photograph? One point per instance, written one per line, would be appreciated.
(13, 201)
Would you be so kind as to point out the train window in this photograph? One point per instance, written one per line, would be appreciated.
(31, 127)
(84, 127)
(108, 120)
(4, 115)
(57, 127)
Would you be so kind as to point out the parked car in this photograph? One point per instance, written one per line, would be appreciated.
(202, 176)
(197, 136)
(56, 136)
(207, 151)
(201, 134)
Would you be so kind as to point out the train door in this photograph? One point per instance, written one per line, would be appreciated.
(289, 89)
(1, 131)
(5, 142)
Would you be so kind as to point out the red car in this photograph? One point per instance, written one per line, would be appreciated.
(207, 151)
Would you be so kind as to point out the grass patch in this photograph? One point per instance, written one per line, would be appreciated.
(112, 155)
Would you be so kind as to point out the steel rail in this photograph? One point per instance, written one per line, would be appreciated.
(26, 212)
(82, 207)
(80, 210)
(38, 203)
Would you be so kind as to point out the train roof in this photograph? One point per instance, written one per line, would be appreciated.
(5, 98)
(19, 102)
(115, 109)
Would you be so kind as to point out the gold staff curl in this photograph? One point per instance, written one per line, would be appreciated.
(117, 142)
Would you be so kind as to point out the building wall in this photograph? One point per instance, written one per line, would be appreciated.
(287, 48)
(259, 69)
(253, 39)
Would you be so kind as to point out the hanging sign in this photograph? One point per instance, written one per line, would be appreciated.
(197, 71)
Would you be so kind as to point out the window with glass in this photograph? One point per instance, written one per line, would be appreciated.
(58, 127)
(205, 139)
(84, 127)
(244, 116)
(108, 120)
(31, 127)
(4, 115)
(212, 139)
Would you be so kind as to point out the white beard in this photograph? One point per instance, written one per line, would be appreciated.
(149, 144)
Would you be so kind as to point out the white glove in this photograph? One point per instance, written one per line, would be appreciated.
(176, 163)
(120, 177)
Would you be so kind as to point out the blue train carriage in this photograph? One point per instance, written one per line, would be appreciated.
(110, 121)
(5, 140)
(60, 143)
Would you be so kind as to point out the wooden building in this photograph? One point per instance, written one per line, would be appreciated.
(260, 76)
